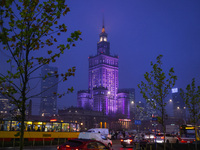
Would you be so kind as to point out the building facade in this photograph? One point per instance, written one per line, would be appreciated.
(87, 119)
(5, 106)
(103, 87)
(179, 107)
(48, 104)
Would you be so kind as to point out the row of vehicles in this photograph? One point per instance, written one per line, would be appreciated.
(97, 138)
(188, 134)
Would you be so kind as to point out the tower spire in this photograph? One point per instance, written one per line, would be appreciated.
(103, 28)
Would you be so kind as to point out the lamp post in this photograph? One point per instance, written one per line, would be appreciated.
(108, 101)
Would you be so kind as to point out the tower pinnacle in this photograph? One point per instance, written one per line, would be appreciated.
(103, 28)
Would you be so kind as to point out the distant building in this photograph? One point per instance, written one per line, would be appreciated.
(179, 107)
(85, 118)
(29, 109)
(103, 88)
(130, 100)
(5, 105)
(48, 104)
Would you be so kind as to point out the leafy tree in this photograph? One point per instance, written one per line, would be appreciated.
(192, 100)
(28, 29)
(156, 89)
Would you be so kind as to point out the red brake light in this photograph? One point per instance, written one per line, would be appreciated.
(162, 137)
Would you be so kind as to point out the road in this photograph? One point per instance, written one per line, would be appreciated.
(116, 146)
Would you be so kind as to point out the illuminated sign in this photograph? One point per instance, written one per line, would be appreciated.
(189, 127)
(124, 119)
(137, 122)
(53, 120)
(174, 90)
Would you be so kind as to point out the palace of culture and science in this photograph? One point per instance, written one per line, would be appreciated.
(103, 92)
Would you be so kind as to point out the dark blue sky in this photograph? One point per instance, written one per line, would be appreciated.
(138, 31)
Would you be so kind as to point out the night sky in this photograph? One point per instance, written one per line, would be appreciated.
(138, 31)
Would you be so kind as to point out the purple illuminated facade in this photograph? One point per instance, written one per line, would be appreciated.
(102, 93)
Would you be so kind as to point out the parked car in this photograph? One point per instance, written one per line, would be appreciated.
(127, 141)
(84, 144)
(168, 138)
(95, 136)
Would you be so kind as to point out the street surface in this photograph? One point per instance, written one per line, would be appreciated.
(116, 146)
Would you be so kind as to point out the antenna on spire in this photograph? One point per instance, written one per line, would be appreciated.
(103, 28)
(103, 20)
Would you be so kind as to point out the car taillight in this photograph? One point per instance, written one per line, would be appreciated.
(67, 146)
(58, 147)
(122, 140)
(162, 137)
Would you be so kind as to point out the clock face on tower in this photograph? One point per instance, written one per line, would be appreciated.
(103, 39)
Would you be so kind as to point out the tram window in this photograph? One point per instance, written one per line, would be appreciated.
(28, 125)
(72, 127)
(5, 125)
(37, 126)
(78, 127)
(15, 126)
(65, 127)
(48, 127)
(57, 127)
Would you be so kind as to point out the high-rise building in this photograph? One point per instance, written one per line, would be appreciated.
(5, 105)
(179, 107)
(103, 94)
(48, 104)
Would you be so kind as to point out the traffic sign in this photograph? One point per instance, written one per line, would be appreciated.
(154, 119)
(137, 122)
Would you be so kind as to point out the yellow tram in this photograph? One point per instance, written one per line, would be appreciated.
(38, 130)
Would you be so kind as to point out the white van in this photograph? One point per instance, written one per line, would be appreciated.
(95, 136)
(102, 131)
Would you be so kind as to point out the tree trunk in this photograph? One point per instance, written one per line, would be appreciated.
(195, 137)
(23, 115)
(22, 124)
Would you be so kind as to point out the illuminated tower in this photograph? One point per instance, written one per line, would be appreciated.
(103, 83)
(103, 76)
